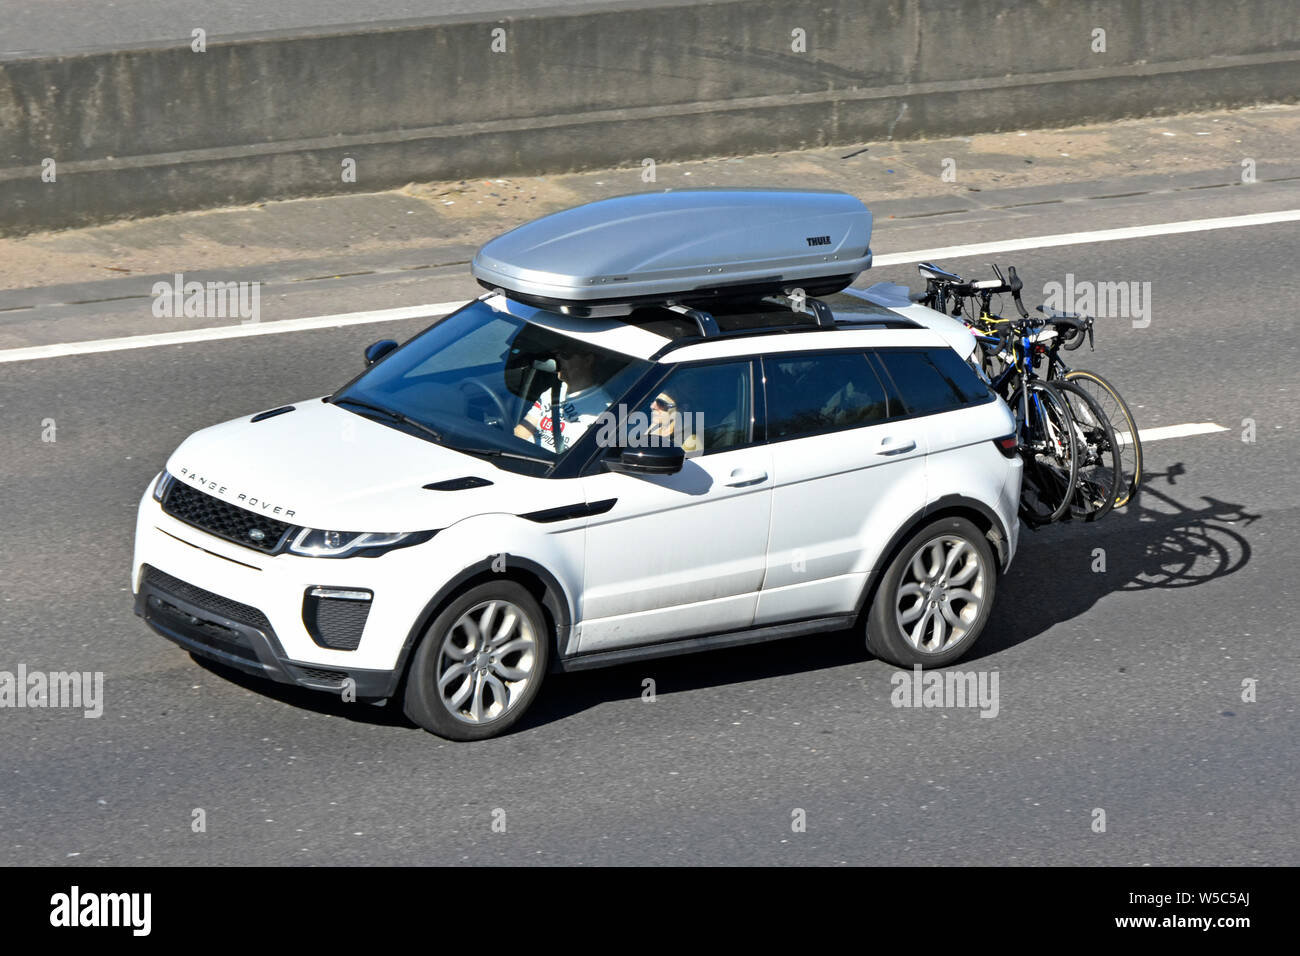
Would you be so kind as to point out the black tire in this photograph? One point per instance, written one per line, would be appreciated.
(887, 633)
(1099, 476)
(1126, 430)
(1049, 451)
(453, 645)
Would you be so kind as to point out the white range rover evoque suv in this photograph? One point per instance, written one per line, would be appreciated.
(665, 428)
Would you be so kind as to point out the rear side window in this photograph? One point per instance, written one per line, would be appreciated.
(960, 375)
(812, 393)
(932, 380)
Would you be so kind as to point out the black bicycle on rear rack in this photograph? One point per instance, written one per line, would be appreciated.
(1046, 434)
(1112, 449)
(1103, 393)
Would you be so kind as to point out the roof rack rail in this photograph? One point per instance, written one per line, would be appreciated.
(807, 304)
(705, 320)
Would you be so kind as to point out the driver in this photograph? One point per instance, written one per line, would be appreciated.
(581, 400)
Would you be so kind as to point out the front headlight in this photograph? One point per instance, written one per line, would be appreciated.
(345, 544)
(162, 484)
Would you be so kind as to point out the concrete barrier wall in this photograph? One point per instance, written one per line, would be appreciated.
(163, 128)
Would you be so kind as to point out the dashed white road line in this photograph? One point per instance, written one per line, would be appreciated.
(1080, 238)
(1171, 431)
(185, 336)
(434, 310)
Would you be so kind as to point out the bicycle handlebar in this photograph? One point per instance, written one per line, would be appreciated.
(987, 288)
(1016, 286)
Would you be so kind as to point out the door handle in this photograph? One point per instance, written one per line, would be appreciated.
(745, 476)
(895, 446)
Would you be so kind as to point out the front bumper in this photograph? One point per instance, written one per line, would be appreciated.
(241, 637)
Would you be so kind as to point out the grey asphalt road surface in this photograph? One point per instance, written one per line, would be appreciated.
(1121, 649)
(55, 26)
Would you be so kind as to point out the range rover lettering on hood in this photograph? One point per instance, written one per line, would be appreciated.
(248, 501)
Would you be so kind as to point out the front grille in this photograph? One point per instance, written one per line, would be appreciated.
(206, 600)
(221, 519)
(335, 623)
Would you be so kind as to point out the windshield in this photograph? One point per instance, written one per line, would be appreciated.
(486, 382)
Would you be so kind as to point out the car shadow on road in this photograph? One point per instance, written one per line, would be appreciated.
(321, 702)
(1154, 542)
(1059, 573)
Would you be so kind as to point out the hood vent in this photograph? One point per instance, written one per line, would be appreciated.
(263, 416)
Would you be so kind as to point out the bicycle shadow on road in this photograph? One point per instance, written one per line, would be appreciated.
(1155, 542)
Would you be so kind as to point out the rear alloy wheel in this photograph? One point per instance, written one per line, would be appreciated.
(935, 597)
(480, 663)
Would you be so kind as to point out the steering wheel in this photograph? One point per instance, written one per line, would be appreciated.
(495, 398)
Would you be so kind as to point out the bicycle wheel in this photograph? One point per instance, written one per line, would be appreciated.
(1099, 477)
(1049, 450)
(1126, 430)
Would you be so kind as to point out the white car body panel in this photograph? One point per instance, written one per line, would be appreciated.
(700, 541)
(607, 333)
(811, 341)
(838, 500)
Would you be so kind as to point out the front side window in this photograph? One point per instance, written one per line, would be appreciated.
(812, 393)
(484, 381)
(702, 408)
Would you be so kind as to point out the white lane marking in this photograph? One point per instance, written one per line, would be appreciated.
(1171, 431)
(1077, 238)
(442, 308)
(185, 336)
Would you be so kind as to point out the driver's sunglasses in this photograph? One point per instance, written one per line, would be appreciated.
(662, 405)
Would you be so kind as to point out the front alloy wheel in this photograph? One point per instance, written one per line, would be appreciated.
(487, 662)
(480, 663)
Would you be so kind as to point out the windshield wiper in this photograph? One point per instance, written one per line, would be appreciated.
(437, 435)
(395, 416)
(502, 453)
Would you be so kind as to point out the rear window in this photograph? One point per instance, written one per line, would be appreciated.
(932, 380)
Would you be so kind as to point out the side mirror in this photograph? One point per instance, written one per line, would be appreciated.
(377, 350)
(663, 460)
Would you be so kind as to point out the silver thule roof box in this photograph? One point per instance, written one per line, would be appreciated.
(681, 246)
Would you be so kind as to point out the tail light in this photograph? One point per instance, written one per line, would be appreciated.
(1008, 445)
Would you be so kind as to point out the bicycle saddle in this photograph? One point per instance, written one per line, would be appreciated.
(930, 271)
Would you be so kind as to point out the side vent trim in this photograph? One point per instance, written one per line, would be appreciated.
(458, 484)
(568, 512)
